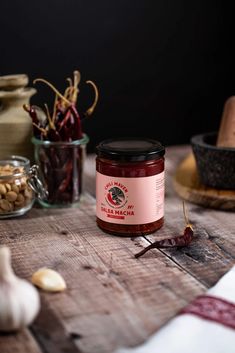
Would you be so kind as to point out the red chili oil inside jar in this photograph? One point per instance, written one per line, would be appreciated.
(130, 186)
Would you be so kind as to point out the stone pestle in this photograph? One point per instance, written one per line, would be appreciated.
(226, 135)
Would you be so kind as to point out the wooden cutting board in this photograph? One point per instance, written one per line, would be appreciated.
(187, 185)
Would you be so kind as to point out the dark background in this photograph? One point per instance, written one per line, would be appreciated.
(163, 68)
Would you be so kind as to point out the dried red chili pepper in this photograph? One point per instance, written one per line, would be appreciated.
(65, 119)
(62, 181)
(53, 135)
(39, 120)
(65, 123)
(178, 241)
(70, 126)
(78, 129)
(63, 186)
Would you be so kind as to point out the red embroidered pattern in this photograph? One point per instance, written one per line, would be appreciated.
(213, 309)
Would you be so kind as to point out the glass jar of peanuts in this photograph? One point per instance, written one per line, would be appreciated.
(16, 193)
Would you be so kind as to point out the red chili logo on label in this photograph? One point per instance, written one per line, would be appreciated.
(115, 197)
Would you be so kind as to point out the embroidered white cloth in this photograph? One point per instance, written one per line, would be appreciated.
(188, 333)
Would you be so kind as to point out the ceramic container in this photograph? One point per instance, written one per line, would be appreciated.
(15, 123)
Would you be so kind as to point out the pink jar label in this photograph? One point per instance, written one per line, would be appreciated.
(129, 200)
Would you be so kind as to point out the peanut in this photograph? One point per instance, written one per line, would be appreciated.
(28, 193)
(8, 186)
(20, 200)
(11, 196)
(23, 184)
(5, 205)
(15, 188)
(14, 192)
(6, 167)
(3, 189)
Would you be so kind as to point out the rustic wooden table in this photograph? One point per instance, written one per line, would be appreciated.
(112, 298)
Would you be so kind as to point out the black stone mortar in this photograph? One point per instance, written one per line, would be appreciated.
(216, 165)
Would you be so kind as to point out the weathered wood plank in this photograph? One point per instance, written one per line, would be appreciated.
(50, 333)
(213, 251)
(112, 298)
(21, 342)
(212, 254)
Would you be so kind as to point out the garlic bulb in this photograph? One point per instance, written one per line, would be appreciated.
(19, 300)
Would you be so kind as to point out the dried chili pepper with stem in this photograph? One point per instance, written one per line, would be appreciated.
(65, 120)
(39, 120)
(178, 241)
(61, 167)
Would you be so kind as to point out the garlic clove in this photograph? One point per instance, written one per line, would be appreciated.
(48, 280)
(19, 300)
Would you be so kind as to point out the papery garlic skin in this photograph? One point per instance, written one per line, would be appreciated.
(19, 300)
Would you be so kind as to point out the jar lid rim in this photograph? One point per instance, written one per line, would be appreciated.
(130, 149)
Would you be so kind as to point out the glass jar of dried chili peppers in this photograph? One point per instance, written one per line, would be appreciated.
(61, 170)
(130, 186)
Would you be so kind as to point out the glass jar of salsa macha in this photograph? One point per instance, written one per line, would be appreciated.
(130, 186)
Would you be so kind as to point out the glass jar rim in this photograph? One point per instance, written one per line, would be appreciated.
(83, 141)
(15, 161)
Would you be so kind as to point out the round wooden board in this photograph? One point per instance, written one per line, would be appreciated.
(187, 185)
